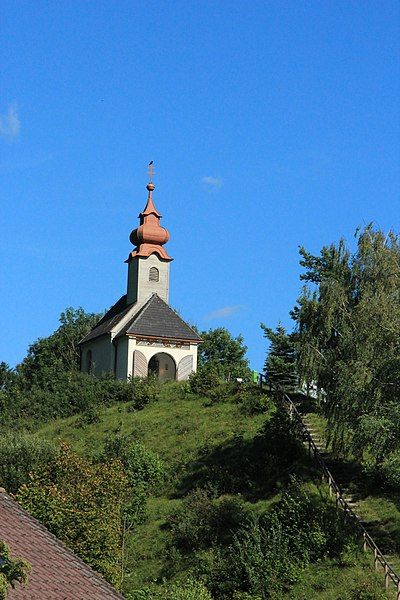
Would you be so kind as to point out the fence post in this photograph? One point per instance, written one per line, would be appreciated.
(364, 541)
(386, 576)
(375, 559)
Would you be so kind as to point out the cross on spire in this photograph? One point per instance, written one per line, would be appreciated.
(151, 171)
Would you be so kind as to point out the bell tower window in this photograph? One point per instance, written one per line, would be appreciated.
(154, 274)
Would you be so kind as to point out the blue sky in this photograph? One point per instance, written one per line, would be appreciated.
(272, 124)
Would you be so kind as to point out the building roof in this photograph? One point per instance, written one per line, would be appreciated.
(156, 319)
(57, 574)
(110, 320)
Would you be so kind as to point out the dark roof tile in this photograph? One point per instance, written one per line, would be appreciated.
(157, 319)
(110, 319)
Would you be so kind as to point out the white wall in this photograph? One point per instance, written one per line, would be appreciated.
(149, 351)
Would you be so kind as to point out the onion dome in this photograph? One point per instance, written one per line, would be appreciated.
(149, 237)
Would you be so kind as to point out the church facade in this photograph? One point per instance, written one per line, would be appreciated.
(141, 333)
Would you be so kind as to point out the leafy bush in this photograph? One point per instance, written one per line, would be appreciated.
(189, 590)
(12, 570)
(20, 454)
(202, 521)
(391, 470)
(204, 381)
(144, 468)
(145, 390)
(252, 400)
(82, 504)
(269, 552)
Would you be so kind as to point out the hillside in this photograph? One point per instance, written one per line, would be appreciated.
(216, 446)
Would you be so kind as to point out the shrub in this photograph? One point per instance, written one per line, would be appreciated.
(189, 590)
(82, 504)
(204, 381)
(144, 467)
(201, 521)
(144, 390)
(12, 570)
(268, 552)
(20, 454)
(391, 470)
(252, 400)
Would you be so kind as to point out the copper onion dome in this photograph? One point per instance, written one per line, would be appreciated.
(149, 237)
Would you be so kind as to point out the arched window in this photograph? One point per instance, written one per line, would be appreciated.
(154, 274)
(89, 363)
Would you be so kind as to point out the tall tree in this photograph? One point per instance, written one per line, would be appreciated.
(280, 364)
(348, 322)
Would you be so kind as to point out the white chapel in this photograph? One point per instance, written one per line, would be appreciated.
(141, 333)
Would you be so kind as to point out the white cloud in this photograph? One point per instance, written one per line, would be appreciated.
(10, 123)
(225, 311)
(212, 182)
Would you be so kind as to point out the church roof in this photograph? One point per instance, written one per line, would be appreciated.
(156, 319)
(110, 320)
(57, 573)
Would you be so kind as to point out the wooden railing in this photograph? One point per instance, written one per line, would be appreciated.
(334, 490)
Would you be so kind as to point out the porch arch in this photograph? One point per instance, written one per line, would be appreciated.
(163, 365)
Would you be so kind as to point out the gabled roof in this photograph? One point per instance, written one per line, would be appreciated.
(57, 574)
(109, 321)
(156, 319)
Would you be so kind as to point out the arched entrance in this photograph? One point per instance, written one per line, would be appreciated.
(163, 365)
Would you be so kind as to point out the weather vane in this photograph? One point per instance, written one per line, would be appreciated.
(151, 171)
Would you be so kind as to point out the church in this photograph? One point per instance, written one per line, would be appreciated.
(141, 333)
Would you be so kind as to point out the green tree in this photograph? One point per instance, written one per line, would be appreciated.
(59, 352)
(12, 570)
(8, 377)
(348, 325)
(280, 365)
(223, 353)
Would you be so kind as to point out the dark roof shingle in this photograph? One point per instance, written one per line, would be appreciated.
(110, 319)
(57, 574)
(157, 319)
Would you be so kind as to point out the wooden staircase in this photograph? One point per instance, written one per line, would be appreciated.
(348, 481)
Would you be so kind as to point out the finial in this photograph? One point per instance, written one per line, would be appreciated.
(151, 171)
(150, 186)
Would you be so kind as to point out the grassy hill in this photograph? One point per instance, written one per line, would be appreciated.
(214, 446)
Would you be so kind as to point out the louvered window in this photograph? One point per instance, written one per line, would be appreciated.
(154, 274)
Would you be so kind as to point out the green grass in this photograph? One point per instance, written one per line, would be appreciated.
(191, 436)
(329, 580)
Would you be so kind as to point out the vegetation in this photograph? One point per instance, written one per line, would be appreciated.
(348, 324)
(206, 487)
(223, 354)
(281, 363)
(12, 570)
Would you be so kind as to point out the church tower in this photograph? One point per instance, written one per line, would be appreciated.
(141, 333)
(148, 263)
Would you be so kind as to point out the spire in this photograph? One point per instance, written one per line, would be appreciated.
(149, 237)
